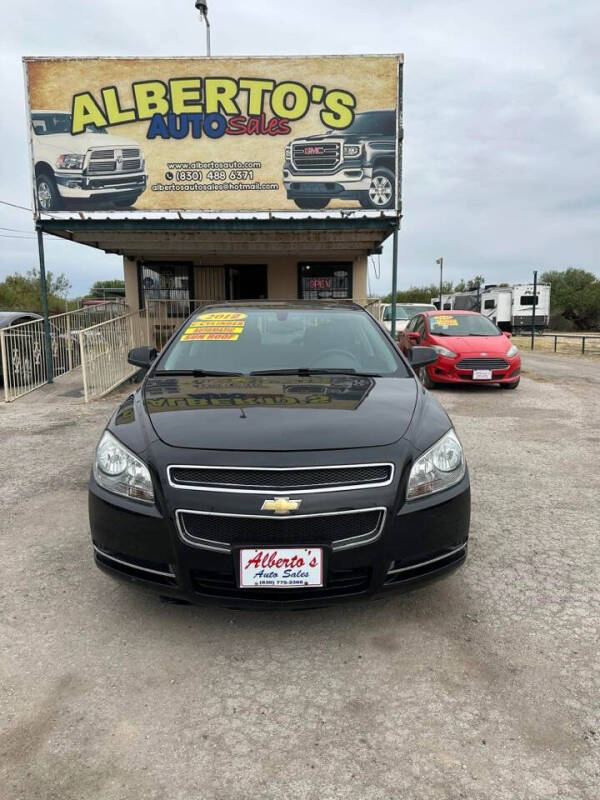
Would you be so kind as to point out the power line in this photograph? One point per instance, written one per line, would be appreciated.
(15, 230)
(34, 238)
(14, 205)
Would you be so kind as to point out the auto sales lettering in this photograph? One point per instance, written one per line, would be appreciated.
(213, 107)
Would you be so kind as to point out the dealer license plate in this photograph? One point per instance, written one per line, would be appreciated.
(281, 567)
(482, 374)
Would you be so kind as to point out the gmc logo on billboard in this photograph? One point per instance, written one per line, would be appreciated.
(313, 151)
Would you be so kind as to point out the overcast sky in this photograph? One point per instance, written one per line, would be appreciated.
(502, 117)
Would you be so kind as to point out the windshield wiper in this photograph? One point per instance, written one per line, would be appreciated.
(197, 373)
(315, 371)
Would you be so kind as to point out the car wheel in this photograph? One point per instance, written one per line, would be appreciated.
(312, 202)
(380, 194)
(512, 385)
(48, 197)
(425, 379)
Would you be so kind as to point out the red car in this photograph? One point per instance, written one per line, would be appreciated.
(470, 348)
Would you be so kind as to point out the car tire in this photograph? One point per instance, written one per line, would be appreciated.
(425, 379)
(312, 203)
(380, 194)
(512, 385)
(48, 198)
(21, 366)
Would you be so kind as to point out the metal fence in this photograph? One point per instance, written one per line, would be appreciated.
(574, 343)
(104, 348)
(23, 354)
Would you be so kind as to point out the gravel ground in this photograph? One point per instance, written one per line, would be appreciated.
(484, 685)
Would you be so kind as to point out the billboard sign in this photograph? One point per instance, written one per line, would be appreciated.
(215, 134)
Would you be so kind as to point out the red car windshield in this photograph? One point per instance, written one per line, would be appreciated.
(461, 325)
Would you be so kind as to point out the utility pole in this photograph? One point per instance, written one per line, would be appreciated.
(533, 307)
(202, 7)
(44, 294)
(440, 261)
(394, 279)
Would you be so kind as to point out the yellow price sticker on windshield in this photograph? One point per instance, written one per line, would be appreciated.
(444, 322)
(222, 316)
(197, 336)
(225, 326)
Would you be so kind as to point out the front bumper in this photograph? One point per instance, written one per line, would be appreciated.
(353, 179)
(420, 541)
(75, 185)
(444, 370)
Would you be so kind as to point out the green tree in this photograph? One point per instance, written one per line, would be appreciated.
(419, 294)
(23, 292)
(575, 295)
(108, 289)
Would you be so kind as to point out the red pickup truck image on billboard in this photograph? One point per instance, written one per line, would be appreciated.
(357, 163)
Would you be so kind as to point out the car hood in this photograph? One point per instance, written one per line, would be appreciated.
(280, 413)
(474, 345)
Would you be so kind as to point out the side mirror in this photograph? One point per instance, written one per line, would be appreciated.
(142, 356)
(421, 356)
(507, 334)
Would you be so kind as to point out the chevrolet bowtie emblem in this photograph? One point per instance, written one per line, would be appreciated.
(281, 505)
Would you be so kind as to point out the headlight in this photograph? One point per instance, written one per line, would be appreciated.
(512, 351)
(351, 150)
(443, 351)
(118, 470)
(441, 466)
(288, 152)
(70, 161)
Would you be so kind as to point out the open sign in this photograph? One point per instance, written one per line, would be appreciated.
(319, 283)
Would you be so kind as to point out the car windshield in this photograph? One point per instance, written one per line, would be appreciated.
(370, 123)
(400, 313)
(246, 340)
(405, 312)
(45, 123)
(462, 325)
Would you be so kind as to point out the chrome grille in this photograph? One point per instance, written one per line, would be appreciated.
(222, 532)
(316, 156)
(128, 159)
(257, 479)
(482, 363)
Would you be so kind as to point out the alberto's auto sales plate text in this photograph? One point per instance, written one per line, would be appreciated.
(281, 568)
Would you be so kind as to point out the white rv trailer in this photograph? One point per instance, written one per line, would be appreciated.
(510, 307)
(522, 307)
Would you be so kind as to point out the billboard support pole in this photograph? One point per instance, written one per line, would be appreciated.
(394, 279)
(44, 294)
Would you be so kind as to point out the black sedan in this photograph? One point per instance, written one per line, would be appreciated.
(279, 454)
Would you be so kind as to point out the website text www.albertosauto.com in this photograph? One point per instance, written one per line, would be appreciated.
(213, 176)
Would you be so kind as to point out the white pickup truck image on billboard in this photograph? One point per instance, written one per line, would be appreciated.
(92, 168)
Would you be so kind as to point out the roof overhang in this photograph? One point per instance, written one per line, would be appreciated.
(186, 236)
